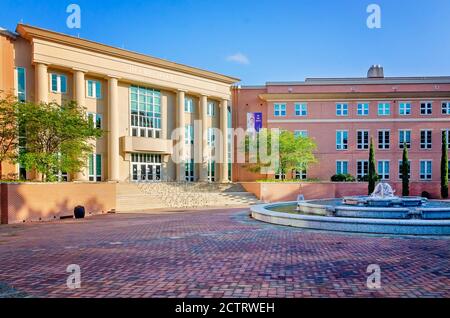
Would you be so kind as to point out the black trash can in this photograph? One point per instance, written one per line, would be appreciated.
(79, 212)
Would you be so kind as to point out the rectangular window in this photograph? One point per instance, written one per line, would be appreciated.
(400, 175)
(404, 136)
(362, 169)
(362, 139)
(383, 169)
(189, 134)
(58, 83)
(445, 108)
(279, 175)
(301, 133)
(279, 110)
(211, 137)
(404, 109)
(145, 106)
(188, 105)
(341, 109)
(425, 169)
(301, 109)
(341, 139)
(21, 84)
(96, 120)
(426, 108)
(447, 134)
(94, 89)
(300, 174)
(425, 139)
(384, 109)
(341, 167)
(363, 109)
(95, 167)
(211, 171)
(383, 139)
(211, 109)
(189, 169)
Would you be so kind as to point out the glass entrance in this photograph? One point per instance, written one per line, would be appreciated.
(145, 167)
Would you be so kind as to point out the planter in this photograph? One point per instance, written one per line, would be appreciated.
(79, 212)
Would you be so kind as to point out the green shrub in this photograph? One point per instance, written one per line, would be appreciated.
(343, 177)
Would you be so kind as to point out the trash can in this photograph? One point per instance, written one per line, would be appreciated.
(79, 212)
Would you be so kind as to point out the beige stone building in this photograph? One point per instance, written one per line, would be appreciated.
(139, 101)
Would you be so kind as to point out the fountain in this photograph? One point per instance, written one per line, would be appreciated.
(380, 212)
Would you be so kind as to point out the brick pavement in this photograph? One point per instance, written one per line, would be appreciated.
(217, 253)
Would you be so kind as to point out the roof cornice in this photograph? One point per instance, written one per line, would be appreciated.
(30, 32)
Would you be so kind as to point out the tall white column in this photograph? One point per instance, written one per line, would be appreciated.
(79, 96)
(204, 131)
(182, 146)
(41, 83)
(113, 130)
(224, 150)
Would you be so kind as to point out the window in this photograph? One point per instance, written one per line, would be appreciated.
(362, 139)
(211, 171)
(447, 134)
(341, 139)
(279, 110)
(300, 174)
(96, 120)
(94, 89)
(211, 109)
(188, 105)
(189, 169)
(59, 83)
(383, 139)
(404, 109)
(301, 110)
(426, 108)
(145, 112)
(362, 169)
(341, 109)
(189, 134)
(363, 109)
(383, 169)
(425, 169)
(425, 139)
(301, 133)
(341, 167)
(400, 175)
(280, 175)
(21, 84)
(211, 137)
(146, 167)
(445, 108)
(384, 109)
(404, 136)
(95, 167)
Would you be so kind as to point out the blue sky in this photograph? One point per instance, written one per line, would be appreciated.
(261, 40)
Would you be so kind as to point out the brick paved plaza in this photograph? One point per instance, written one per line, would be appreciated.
(217, 253)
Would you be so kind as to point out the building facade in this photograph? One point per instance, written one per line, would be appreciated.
(343, 114)
(148, 108)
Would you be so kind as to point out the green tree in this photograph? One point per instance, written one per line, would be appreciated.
(8, 130)
(372, 177)
(57, 137)
(405, 171)
(444, 166)
(295, 152)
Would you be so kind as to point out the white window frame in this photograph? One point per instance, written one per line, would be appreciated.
(385, 109)
(279, 110)
(94, 84)
(189, 170)
(400, 169)
(447, 134)
(189, 105)
(16, 82)
(301, 109)
(340, 144)
(363, 109)
(301, 175)
(211, 109)
(340, 164)
(94, 118)
(302, 133)
(383, 145)
(365, 143)
(445, 106)
(404, 108)
(342, 109)
(189, 134)
(426, 145)
(400, 141)
(58, 83)
(428, 107)
(96, 177)
(360, 175)
(382, 173)
(211, 137)
(427, 164)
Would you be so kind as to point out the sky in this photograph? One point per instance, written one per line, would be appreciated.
(261, 41)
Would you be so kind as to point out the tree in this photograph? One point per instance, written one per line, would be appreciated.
(444, 166)
(373, 177)
(57, 137)
(405, 171)
(8, 130)
(295, 152)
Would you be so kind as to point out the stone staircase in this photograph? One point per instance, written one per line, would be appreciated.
(145, 196)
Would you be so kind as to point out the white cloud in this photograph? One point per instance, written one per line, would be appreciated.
(238, 58)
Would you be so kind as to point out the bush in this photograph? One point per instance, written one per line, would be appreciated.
(425, 194)
(343, 177)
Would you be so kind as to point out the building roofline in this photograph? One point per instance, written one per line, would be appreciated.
(8, 33)
(365, 80)
(30, 32)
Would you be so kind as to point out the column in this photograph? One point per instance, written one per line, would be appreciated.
(113, 128)
(41, 82)
(181, 145)
(224, 150)
(204, 131)
(79, 96)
